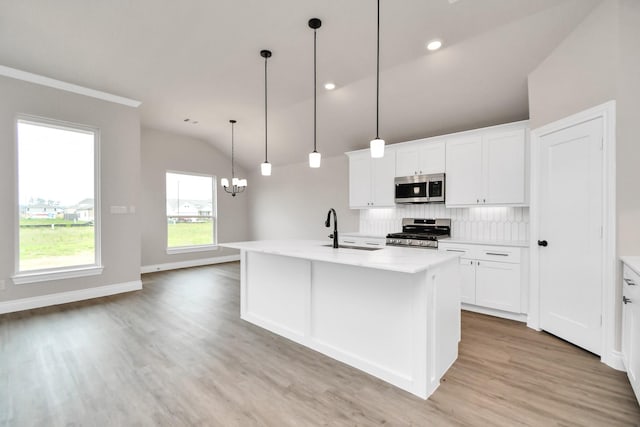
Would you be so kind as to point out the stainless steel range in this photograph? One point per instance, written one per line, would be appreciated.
(421, 232)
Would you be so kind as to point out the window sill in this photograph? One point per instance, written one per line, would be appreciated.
(45, 276)
(189, 249)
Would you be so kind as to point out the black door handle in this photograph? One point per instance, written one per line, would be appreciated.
(542, 243)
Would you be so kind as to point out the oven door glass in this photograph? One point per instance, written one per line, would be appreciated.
(413, 190)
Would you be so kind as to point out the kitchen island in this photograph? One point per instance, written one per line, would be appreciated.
(392, 312)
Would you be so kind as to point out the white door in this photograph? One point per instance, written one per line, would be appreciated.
(467, 281)
(504, 166)
(383, 189)
(432, 157)
(407, 161)
(498, 285)
(464, 170)
(570, 224)
(359, 181)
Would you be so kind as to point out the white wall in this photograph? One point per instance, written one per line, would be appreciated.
(162, 152)
(628, 130)
(120, 175)
(580, 73)
(293, 202)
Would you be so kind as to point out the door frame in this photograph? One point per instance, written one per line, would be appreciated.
(607, 112)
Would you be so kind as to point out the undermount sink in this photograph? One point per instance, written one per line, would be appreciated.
(360, 248)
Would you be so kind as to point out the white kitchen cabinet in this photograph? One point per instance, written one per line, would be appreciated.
(498, 285)
(631, 327)
(464, 171)
(491, 278)
(420, 157)
(371, 180)
(488, 167)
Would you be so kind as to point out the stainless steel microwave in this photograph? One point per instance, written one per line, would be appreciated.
(420, 189)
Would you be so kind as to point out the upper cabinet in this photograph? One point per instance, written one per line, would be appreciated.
(371, 180)
(483, 167)
(420, 157)
(488, 167)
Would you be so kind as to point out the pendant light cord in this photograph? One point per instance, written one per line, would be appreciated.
(315, 89)
(378, 75)
(265, 110)
(233, 173)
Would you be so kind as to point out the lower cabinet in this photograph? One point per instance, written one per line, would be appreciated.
(631, 327)
(492, 277)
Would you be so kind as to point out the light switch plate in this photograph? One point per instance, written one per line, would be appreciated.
(118, 210)
(3, 285)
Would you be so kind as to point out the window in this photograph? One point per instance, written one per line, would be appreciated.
(190, 212)
(57, 197)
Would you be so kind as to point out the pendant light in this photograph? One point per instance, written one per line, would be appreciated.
(237, 185)
(377, 144)
(314, 156)
(265, 168)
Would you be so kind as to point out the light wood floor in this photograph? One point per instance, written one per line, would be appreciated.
(177, 353)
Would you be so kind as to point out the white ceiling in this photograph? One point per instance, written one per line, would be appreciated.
(200, 59)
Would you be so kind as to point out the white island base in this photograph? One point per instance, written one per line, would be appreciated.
(356, 307)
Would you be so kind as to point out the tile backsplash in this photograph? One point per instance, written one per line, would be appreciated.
(482, 223)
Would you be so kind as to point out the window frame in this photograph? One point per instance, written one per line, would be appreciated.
(66, 272)
(214, 216)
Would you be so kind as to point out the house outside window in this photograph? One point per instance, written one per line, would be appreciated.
(191, 212)
(58, 230)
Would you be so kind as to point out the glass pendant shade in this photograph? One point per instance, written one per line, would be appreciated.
(235, 181)
(265, 169)
(224, 182)
(377, 148)
(314, 159)
(242, 183)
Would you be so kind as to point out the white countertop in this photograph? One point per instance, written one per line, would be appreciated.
(633, 262)
(403, 260)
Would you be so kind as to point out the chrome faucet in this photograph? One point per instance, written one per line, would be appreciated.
(327, 223)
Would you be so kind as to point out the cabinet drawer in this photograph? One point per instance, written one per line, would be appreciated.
(631, 280)
(362, 241)
(498, 254)
(462, 250)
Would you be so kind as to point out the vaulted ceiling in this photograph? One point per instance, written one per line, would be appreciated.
(199, 59)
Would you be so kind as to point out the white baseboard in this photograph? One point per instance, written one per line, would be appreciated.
(191, 263)
(615, 360)
(497, 313)
(66, 297)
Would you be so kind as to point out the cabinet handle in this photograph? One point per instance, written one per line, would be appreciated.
(484, 200)
(349, 241)
(477, 262)
(372, 244)
(626, 300)
(630, 282)
(477, 200)
(496, 253)
(455, 250)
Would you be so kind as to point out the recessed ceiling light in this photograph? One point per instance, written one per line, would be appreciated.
(434, 45)
(329, 86)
